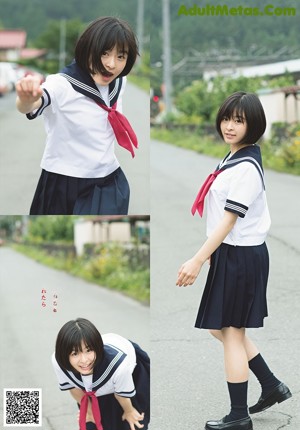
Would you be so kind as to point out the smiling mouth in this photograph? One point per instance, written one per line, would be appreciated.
(86, 367)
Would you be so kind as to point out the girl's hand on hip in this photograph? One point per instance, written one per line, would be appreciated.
(188, 272)
(29, 89)
(133, 417)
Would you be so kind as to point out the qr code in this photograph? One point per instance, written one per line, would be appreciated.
(22, 407)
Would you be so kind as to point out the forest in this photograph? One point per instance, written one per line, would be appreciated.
(212, 34)
(34, 15)
(42, 21)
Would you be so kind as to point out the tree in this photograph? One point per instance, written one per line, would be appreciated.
(50, 40)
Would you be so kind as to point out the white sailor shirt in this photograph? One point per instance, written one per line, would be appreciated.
(80, 139)
(240, 189)
(112, 375)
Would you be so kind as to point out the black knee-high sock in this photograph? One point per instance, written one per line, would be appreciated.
(264, 375)
(238, 397)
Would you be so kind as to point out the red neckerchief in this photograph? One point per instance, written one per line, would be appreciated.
(199, 201)
(124, 133)
(250, 153)
(95, 409)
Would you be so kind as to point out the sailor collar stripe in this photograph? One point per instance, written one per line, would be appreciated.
(233, 162)
(80, 84)
(110, 368)
(93, 92)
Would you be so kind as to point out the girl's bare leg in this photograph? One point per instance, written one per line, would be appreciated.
(235, 355)
(250, 347)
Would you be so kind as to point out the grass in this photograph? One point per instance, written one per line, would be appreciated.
(210, 146)
(133, 283)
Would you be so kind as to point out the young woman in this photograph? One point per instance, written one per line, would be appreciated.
(108, 376)
(82, 108)
(238, 221)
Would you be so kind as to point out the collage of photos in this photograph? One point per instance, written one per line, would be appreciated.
(149, 188)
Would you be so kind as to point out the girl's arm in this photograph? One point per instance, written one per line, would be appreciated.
(189, 271)
(77, 394)
(29, 93)
(131, 415)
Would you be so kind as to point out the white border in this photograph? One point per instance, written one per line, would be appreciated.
(22, 425)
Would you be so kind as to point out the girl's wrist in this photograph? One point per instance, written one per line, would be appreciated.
(198, 258)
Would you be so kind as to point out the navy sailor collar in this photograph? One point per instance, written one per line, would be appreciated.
(250, 153)
(83, 83)
(103, 371)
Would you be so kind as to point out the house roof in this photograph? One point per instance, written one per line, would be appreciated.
(12, 39)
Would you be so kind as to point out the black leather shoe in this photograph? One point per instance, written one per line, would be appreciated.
(243, 424)
(278, 395)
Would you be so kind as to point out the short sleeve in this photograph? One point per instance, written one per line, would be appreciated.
(55, 90)
(245, 186)
(46, 101)
(123, 381)
(64, 382)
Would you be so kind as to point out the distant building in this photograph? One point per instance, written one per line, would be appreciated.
(269, 70)
(101, 229)
(13, 46)
(280, 105)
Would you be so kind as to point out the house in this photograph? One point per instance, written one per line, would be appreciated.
(13, 46)
(280, 105)
(114, 228)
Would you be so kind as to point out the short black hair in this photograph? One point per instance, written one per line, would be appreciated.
(70, 337)
(102, 35)
(248, 106)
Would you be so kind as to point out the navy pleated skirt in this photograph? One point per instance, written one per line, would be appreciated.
(65, 195)
(111, 411)
(236, 287)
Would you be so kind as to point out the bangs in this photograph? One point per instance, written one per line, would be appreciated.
(234, 109)
(76, 345)
(117, 39)
(81, 334)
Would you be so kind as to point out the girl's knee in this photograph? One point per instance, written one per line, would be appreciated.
(217, 334)
(233, 333)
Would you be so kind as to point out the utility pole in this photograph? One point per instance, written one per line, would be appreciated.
(140, 26)
(167, 63)
(62, 44)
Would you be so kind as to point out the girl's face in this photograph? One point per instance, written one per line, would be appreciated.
(83, 361)
(233, 129)
(114, 62)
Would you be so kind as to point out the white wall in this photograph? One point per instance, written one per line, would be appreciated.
(279, 109)
(94, 232)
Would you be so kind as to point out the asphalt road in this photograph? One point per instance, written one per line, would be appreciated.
(22, 145)
(188, 382)
(28, 331)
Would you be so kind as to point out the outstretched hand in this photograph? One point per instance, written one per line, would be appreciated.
(133, 417)
(29, 89)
